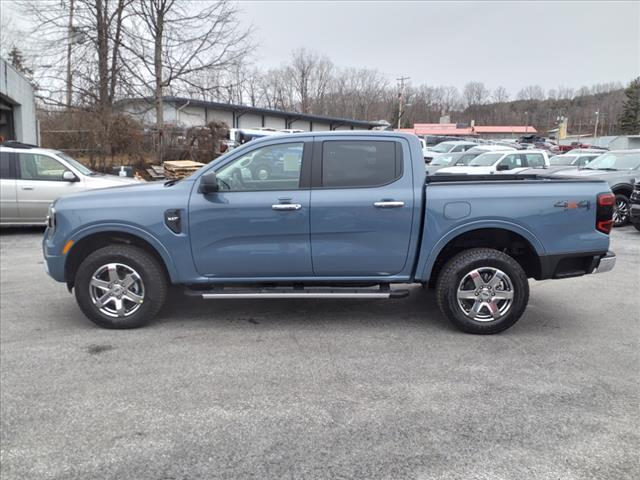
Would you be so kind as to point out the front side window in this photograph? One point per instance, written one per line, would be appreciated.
(34, 166)
(360, 163)
(558, 160)
(535, 160)
(276, 167)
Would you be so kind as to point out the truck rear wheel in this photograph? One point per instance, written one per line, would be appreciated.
(120, 286)
(482, 291)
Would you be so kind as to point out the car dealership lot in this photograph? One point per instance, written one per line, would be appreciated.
(320, 388)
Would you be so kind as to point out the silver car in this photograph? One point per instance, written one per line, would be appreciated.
(32, 178)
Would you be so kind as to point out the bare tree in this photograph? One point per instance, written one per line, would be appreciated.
(475, 93)
(171, 41)
(500, 95)
(531, 92)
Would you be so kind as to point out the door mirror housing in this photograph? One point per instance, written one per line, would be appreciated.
(69, 176)
(208, 183)
(502, 166)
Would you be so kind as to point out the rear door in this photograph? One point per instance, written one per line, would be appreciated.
(39, 183)
(361, 206)
(8, 202)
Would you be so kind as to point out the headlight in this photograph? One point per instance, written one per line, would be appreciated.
(51, 218)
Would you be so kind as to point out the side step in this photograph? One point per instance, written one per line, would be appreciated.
(297, 292)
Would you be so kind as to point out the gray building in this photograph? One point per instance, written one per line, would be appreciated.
(17, 106)
(187, 112)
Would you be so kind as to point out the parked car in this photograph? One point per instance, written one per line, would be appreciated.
(619, 168)
(423, 146)
(490, 148)
(499, 162)
(449, 160)
(433, 140)
(571, 160)
(634, 202)
(357, 218)
(31, 178)
(448, 147)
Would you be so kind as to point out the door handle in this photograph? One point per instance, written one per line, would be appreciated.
(27, 187)
(388, 204)
(286, 206)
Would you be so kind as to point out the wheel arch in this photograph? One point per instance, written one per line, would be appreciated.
(517, 242)
(91, 240)
(622, 188)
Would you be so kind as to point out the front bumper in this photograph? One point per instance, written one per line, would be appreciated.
(606, 263)
(53, 264)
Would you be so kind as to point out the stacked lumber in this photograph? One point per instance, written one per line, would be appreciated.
(180, 168)
(156, 172)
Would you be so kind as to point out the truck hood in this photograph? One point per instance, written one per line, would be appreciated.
(468, 170)
(124, 194)
(600, 174)
(106, 181)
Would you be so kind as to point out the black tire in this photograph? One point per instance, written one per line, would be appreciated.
(459, 267)
(637, 225)
(150, 272)
(621, 211)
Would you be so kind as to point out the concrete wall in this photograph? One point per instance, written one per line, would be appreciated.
(18, 92)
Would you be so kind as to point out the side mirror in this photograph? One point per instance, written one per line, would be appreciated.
(208, 183)
(69, 176)
(502, 166)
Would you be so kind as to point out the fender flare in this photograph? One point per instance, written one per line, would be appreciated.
(423, 270)
(136, 232)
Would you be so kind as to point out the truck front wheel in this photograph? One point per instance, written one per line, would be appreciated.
(482, 291)
(120, 286)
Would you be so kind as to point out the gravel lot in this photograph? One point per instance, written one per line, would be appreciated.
(320, 389)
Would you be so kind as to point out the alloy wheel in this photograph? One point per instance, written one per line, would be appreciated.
(485, 294)
(621, 212)
(116, 290)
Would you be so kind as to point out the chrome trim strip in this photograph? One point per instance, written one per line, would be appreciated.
(211, 296)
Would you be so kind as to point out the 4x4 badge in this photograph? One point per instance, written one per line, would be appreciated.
(568, 205)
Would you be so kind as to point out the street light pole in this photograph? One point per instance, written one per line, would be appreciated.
(401, 99)
(595, 130)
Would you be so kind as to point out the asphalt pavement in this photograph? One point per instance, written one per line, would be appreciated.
(327, 389)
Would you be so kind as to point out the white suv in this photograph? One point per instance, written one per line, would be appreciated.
(31, 178)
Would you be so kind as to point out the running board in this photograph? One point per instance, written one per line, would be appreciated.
(312, 292)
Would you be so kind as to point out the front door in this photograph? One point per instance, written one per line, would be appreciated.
(362, 207)
(257, 224)
(39, 183)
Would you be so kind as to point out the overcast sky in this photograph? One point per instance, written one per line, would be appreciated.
(512, 44)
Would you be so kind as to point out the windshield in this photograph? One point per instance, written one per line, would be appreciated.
(562, 160)
(466, 158)
(615, 161)
(442, 147)
(442, 160)
(486, 159)
(75, 164)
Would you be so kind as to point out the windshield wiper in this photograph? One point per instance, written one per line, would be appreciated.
(609, 169)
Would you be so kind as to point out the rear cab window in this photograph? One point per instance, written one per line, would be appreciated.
(356, 163)
(535, 160)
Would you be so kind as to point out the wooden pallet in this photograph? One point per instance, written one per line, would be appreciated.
(180, 168)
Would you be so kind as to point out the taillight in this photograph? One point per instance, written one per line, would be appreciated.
(604, 212)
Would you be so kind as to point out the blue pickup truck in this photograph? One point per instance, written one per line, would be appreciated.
(339, 215)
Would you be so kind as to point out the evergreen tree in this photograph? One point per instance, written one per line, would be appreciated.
(17, 60)
(630, 116)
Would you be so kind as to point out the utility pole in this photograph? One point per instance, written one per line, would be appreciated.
(595, 130)
(70, 40)
(401, 98)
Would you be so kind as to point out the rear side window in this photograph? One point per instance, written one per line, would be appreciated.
(6, 171)
(360, 163)
(535, 160)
